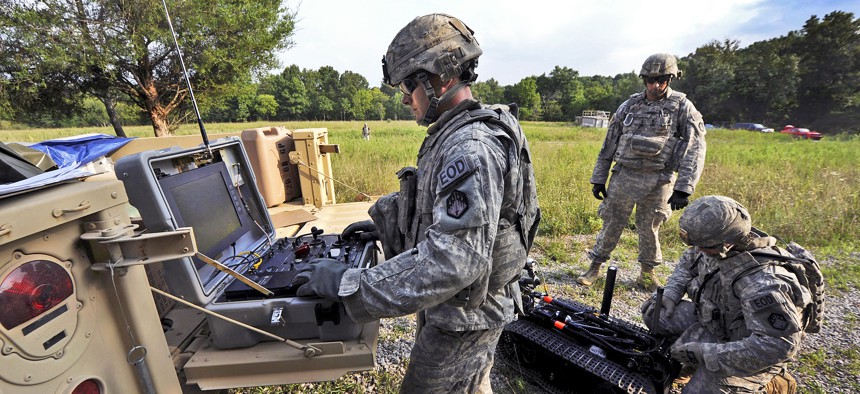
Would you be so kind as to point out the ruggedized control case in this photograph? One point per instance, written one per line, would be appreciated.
(212, 189)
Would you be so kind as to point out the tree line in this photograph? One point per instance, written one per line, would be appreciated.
(115, 63)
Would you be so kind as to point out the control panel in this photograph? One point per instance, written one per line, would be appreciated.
(276, 268)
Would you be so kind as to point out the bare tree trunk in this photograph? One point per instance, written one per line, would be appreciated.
(157, 112)
(159, 123)
(110, 107)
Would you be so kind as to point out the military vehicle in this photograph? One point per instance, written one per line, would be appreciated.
(165, 274)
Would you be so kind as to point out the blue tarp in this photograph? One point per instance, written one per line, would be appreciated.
(76, 151)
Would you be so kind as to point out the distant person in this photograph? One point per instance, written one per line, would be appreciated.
(748, 312)
(653, 135)
(457, 233)
(365, 132)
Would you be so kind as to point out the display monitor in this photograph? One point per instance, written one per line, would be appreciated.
(204, 198)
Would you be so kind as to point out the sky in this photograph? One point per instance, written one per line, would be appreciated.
(529, 38)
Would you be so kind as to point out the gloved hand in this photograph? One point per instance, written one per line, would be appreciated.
(321, 278)
(597, 189)
(365, 230)
(678, 200)
(688, 353)
(666, 305)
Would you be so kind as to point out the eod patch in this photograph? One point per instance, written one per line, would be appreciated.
(453, 171)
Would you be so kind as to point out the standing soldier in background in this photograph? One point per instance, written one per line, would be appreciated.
(365, 132)
(457, 233)
(653, 135)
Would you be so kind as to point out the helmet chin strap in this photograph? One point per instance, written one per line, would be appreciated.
(725, 250)
(430, 114)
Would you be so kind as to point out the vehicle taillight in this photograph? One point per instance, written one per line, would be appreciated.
(32, 289)
(89, 386)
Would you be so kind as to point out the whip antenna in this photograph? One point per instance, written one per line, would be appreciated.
(187, 80)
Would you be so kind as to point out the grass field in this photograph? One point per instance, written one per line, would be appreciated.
(800, 190)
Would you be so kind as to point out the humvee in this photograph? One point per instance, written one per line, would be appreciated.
(165, 273)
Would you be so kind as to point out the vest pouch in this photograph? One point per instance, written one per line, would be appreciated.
(648, 146)
(711, 318)
(384, 214)
(509, 256)
(473, 296)
(406, 204)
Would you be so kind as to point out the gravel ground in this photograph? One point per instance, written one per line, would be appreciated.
(830, 374)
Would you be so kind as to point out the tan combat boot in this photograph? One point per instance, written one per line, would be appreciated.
(782, 383)
(647, 279)
(589, 276)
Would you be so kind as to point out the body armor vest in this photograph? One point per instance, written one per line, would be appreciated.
(719, 309)
(649, 132)
(519, 214)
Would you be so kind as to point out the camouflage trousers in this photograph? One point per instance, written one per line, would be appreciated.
(451, 361)
(684, 323)
(644, 191)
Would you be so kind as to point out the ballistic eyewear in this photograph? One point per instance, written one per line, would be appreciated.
(408, 86)
(661, 79)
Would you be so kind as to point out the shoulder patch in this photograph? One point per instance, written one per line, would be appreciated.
(457, 204)
(454, 170)
(764, 301)
(778, 321)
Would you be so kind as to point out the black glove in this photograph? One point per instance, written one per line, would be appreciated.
(598, 189)
(321, 278)
(688, 353)
(667, 305)
(365, 230)
(678, 200)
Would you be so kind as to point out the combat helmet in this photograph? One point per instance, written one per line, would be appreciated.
(712, 221)
(437, 43)
(660, 64)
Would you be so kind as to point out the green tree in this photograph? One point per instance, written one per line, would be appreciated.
(323, 92)
(378, 102)
(126, 47)
(289, 90)
(829, 52)
(226, 103)
(352, 91)
(489, 92)
(324, 107)
(765, 82)
(598, 92)
(265, 107)
(524, 93)
(624, 86)
(707, 78)
(361, 104)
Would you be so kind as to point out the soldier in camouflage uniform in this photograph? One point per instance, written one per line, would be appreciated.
(652, 136)
(745, 320)
(457, 233)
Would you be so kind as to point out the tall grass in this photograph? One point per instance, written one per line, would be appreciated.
(806, 191)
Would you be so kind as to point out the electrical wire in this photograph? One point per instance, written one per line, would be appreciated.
(258, 213)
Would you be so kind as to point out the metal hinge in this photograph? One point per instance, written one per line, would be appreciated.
(127, 248)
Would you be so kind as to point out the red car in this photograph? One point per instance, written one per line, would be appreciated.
(799, 132)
